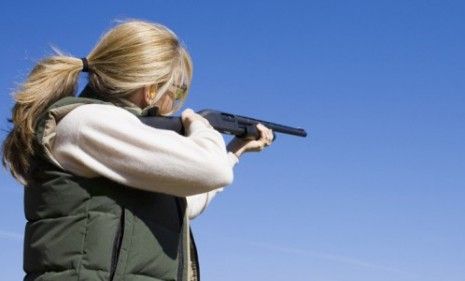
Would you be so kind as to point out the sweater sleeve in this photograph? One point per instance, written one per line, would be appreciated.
(196, 204)
(104, 140)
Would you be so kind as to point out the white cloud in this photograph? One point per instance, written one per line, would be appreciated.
(333, 258)
(11, 235)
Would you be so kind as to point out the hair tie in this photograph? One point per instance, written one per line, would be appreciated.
(85, 65)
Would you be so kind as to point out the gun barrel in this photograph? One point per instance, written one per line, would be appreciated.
(275, 127)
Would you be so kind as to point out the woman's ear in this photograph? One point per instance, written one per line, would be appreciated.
(149, 94)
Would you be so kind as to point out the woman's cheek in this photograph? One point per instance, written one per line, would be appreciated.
(166, 104)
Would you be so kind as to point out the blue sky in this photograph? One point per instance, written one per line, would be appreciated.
(376, 192)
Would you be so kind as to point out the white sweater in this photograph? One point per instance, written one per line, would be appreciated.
(104, 140)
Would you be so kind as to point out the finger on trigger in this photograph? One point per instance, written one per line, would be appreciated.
(186, 112)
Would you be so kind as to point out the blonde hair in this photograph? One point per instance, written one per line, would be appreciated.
(132, 55)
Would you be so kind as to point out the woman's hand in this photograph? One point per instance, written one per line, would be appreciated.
(188, 116)
(239, 146)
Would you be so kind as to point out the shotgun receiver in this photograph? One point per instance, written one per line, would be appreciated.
(225, 123)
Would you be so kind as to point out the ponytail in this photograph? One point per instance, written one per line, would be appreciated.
(50, 80)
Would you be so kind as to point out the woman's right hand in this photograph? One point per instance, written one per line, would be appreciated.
(188, 116)
(236, 145)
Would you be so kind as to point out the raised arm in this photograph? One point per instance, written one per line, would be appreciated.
(104, 140)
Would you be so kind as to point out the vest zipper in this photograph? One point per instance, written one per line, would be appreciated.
(194, 256)
(181, 242)
(117, 245)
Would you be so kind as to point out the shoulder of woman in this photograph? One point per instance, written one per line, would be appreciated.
(98, 114)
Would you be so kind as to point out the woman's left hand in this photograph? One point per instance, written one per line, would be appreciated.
(239, 145)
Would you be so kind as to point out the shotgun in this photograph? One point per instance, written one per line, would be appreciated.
(225, 123)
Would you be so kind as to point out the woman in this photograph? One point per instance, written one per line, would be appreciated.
(106, 197)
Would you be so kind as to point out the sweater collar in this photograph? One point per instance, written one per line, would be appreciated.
(90, 93)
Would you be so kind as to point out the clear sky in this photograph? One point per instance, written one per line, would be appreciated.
(377, 190)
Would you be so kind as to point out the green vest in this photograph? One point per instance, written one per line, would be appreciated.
(96, 229)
